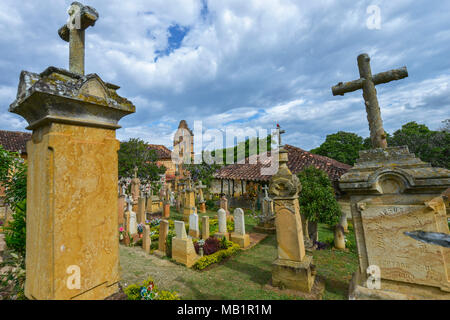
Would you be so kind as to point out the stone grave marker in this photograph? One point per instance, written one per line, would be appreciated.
(239, 236)
(183, 250)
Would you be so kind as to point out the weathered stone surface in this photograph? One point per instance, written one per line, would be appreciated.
(163, 232)
(189, 203)
(183, 251)
(120, 209)
(339, 237)
(222, 232)
(146, 240)
(194, 230)
(391, 193)
(180, 230)
(141, 210)
(205, 227)
(291, 274)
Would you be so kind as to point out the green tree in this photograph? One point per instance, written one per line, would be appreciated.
(202, 172)
(428, 145)
(317, 201)
(341, 146)
(136, 153)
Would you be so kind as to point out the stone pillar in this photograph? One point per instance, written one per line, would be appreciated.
(339, 237)
(72, 220)
(166, 210)
(292, 269)
(120, 210)
(205, 227)
(163, 232)
(141, 211)
(189, 204)
(343, 221)
(146, 240)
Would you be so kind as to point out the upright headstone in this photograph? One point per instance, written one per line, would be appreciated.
(339, 237)
(193, 225)
(189, 202)
(130, 218)
(223, 232)
(120, 210)
(146, 240)
(292, 269)
(239, 236)
(72, 174)
(393, 193)
(163, 233)
(183, 250)
(141, 217)
(205, 227)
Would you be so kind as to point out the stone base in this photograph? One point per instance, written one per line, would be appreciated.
(264, 229)
(393, 290)
(202, 207)
(183, 251)
(159, 253)
(293, 274)
(242, 240)
(221, 235)
(194, 234)
(316, 292)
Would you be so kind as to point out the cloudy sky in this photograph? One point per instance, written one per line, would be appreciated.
(240, 65)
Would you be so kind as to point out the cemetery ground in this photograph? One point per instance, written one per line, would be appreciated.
(241, 276)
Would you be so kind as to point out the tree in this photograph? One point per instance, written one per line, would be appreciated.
(202, 172)
(430, 146)
(341, 146)
(136, 153)
(317, 201)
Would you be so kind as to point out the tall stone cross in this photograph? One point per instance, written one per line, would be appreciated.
(80, 18)
(279, 133)
(367, 83)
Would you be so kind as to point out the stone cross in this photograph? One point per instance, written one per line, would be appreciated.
(129, 201)
(367, 83)
(80, 18)
(266, 189)
(279, 133)
(135, 172)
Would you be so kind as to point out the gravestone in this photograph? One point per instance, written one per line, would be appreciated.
(193, 225)
(205, 227)
(292, 269)
(163, 233)
(189, 201)
(266, 222)
(222, 216)
(183, 250)
(130, 218)
(239, 236)
(201, 200)
(72, 174)
(135, 186)
(392, 193)
(146, 240)
(120, 210)
(141, 217)
(339, 237)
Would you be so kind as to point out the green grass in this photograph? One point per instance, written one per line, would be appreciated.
(243, 276)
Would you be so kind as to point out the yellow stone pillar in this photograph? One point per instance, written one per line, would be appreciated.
(72, 245)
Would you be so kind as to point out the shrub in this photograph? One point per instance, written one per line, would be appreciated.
(211, 245)
(170, 235)
(216, 257)
(15, 232)
(136, 291)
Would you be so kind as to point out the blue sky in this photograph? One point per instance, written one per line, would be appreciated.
(239, 64)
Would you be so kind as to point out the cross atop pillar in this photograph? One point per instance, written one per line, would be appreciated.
(266, 189)
(279, 133)
(367, 83)
(81, 17)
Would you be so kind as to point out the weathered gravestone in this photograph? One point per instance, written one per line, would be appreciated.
(130, 218)
(72, 235)
(392, 192)
(224, 204)
(146, 240)
(193, 225)
(189, 201)
(266, 222)
(163, 233)
(141, 217)
(239, 236)
(292, 269)
(183, 250)
(223, 232)
(201, 200)
(205, 227)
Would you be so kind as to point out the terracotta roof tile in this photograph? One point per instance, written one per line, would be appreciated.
(298, 159)
(14, 141)
(162, 152)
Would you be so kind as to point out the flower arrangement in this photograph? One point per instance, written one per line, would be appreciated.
(149, 291)
(121, 232)
(140, 228)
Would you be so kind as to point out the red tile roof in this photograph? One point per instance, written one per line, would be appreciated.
(298, 160)
(162, 152)
(14, 141)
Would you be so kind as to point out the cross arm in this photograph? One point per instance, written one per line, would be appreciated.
(384, 77)
(81, 17)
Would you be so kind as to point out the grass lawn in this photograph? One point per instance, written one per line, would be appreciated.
(243, 276)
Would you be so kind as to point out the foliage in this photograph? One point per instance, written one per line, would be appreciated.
(430, 146)
(211, 205)
(216, 257)
(134, 291)
(13, 177)
(211, 246)
(341, 146)
(203, 172)
(170, 235)
(317, 201)
(15, 231)
(12, 282)
(136, 153)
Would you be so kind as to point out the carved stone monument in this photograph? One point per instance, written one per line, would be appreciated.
(72, 175)
(393, 192)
